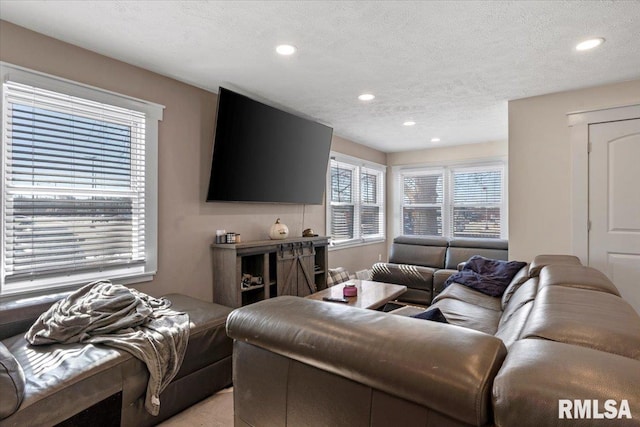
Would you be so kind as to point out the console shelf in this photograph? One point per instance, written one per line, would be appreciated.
(294, 266)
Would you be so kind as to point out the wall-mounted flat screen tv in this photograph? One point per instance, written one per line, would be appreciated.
(263, 154)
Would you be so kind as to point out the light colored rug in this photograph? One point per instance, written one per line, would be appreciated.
(215, 411)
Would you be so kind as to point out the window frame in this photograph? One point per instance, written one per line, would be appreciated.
(448, 169)
(358, 165)
(153, 114)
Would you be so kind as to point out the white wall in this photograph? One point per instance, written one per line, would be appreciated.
(539, 165)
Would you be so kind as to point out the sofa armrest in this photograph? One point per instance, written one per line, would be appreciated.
(542, 378)
(439, 277)
(441, 367)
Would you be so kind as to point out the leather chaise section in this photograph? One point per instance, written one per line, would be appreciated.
(62, 380)
(452, 378)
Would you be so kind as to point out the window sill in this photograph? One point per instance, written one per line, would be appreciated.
(10, 293)
(355, 244)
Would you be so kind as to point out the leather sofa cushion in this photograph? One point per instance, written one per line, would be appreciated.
(543, 260)
(591, 319)
(424, 251)
(577, 276)
(525, 293)
(510, 330)
(466, 294)
(469, 315)
(63, 379)
(11, 383)
(537, 373)
(208, 340)
(517, 281)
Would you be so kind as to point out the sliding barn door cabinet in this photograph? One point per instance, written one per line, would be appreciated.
(244, 273)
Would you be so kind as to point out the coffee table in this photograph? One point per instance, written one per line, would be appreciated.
(370, 294)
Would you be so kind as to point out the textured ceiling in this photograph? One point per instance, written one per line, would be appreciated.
(450, 66)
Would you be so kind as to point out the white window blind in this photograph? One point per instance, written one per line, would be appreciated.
(355, 201)
(476, 203)
(73, 185)
(453, 201)
(422, 203)
(343, 201)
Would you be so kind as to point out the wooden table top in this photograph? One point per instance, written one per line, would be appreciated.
(370, 294)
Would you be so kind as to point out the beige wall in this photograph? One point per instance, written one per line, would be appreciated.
(186, 224)
(360, 257)
(453, 154)
(539, 165)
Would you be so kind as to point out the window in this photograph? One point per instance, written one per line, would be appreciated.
(453, 201)
(355, 201)
(78, 184)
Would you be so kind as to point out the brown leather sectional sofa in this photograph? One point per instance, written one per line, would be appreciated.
(560, 335)
(90, 385)
(423, 264)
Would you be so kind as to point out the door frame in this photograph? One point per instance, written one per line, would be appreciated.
(579, 122)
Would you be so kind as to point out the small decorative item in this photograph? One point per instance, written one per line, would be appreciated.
(308, 232)
(278, 231)
(221, 236)
(231, 237)
(350, 290)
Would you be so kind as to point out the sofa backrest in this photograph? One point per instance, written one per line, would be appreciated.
(443, 252)
(418, 250)
(461, 249)
(17, 315)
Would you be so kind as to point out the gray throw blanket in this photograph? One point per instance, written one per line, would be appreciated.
(114, 315)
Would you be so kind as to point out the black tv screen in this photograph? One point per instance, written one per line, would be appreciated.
(263, 154)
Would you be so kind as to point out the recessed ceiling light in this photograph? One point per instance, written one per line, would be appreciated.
(409, 123)
(286, 49)
(590, 44)
(435, 139)
(366, 97)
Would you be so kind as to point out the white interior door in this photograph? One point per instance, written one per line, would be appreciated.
(614, 204)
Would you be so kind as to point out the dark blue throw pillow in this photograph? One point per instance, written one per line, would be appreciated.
(489, 276)
(433, 314)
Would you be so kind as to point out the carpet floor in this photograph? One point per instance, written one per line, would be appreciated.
(214, 411)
